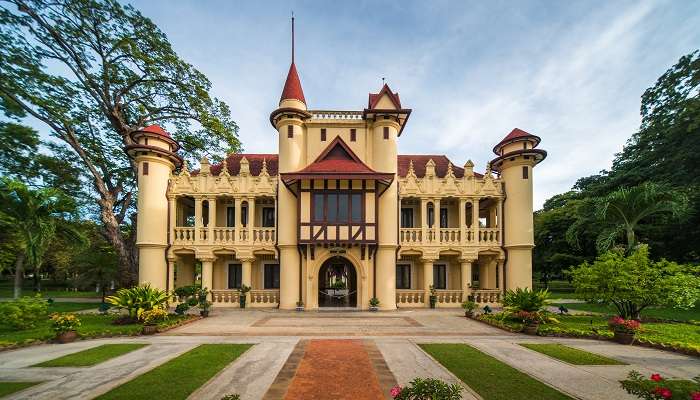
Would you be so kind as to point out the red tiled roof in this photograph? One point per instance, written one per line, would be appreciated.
(516, 134)
(374, 97)
(255, 163)
(292, 86)
(419, 161)
(337, 158)
(157, 129)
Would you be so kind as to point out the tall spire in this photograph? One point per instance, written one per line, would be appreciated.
(292, 86)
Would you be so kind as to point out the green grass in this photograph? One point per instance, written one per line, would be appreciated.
(92, 356)
(563, 295)
(179, 377)
(7, 388)
(570, 354)
(489, 377)
(71, 307)
(665, 313)
(92, 325)
(6, 292)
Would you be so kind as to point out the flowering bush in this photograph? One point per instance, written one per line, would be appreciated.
(426, 389)
(63, 323)
(528, 318)
(153, 316)
(619, 324)
(656, 387)
(23, 313)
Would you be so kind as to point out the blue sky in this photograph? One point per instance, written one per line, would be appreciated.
(571, 72)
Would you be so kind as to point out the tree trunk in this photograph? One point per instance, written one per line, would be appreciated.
(125, 247)
(19, 274)
(631, 240)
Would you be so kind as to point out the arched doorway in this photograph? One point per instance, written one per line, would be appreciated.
(337, 283)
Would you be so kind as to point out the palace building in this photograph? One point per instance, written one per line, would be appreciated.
(337, 216)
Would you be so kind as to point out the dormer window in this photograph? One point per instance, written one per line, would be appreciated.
(323, 134)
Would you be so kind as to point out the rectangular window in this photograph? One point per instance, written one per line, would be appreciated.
(145, 168)
(272, 276)
(353, 135)
(439, 276)
(525, 172)
(525, 145)
(342, 208)
(443, 218)
(290, 131)
(235, 273)
(356, 206)
(407, 218)
(386, 133)
(244, 215)
(403, 276)
(268, 217)
(230, 217)
(332, 207)
(323, 134)
(431, 217)
(319, 206)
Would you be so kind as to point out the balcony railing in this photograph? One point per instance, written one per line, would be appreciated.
(224, 236)
(410, 298)
(450, 236)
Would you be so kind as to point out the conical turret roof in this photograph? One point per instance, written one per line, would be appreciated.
(292, 87)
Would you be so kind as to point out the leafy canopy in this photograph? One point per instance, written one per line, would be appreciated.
(633, 282)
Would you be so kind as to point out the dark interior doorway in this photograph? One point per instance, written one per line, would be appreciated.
(337, 283)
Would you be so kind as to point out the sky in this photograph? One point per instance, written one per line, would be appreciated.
(571, 72)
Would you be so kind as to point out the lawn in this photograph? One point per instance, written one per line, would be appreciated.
(71, 307)
(93, 325)
(179, 377)
(570, 354)
(489, 377)
(7, 291)
(7, 388)
(92, 356)
(665, 313)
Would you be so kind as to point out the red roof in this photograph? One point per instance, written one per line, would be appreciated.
(514, 135)
(157, 129)
(255, 164)
(292, 87)
(419, 161)
(374, 97)
(337, 158)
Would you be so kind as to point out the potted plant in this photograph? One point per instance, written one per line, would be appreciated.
(300, 306)
(243, 293)
(373, 304)
(203, 302)
(469, 306)
(531, 321)
(65, 326)
(428, 388)
(433, 296)
(624, 329)
(151, 318)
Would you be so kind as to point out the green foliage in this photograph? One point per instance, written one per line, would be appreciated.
(138, 299)
(656, 387)
(62, 323)
(374, 302)
(23, 313)
(524, 299)
(244, 289)
(186, 291)
(632, 283)
(570, 355)
(469, 305)
(427, 389)
(231, 397)
(154, 316)
(7, 388)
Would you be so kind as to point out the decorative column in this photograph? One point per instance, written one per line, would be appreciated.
(207, 272)
(475, 223)
(197, 218)
(251, 217)
(499, 223)
(171, 274)
(246, 272)
(466, 272)
(500, 276)
(212, 219)
(424, 220)
(462, 221)
(436, 219)
(237, 218)
(172, 216)
(427, 279)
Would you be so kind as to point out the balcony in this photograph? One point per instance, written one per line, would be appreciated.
(224, 236)
(450, 236)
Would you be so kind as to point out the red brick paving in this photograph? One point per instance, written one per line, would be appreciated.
(335, 369)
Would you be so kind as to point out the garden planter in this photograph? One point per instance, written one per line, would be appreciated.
(530, 329)
(624, 337)
(241, 301)
(373, 308)
(204, 313)
(149, 329)
(300, 308)
(469, 314)
(433, 301)
(67, 337)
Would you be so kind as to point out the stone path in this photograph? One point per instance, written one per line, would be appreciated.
(282, 365)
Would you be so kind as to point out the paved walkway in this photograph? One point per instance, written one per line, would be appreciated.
(283, 364)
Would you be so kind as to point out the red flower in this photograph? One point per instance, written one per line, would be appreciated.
(656, 377)
(663, 392)
(695, 396)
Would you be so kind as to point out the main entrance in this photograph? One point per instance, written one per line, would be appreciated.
(337, 283)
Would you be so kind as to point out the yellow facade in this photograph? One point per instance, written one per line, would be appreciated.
(337, 216)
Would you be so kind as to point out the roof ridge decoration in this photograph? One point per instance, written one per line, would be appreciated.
(185, 171)
(224, 167)
(263, 171)
(375, 97)
(411, 171)
(204, 166)
(245, 167)
(430, 168)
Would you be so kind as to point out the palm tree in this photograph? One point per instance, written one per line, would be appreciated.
(35, 217)
(623, 211)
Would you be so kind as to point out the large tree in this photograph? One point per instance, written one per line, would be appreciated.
(94, 71)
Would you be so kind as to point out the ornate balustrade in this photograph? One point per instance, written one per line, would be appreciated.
(225, 297)
(224, 235)
(184, 235)
(490, 236)
(265, 297)
(410, 298)
(445, 297)
(487, 295)
(450, 235)
(347, 115)
(411, 235)
(264, 235)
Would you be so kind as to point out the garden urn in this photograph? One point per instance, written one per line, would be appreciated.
(67, 336)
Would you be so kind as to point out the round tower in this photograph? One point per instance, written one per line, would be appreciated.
(517, 156)
(155, 153)
(288, 119)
